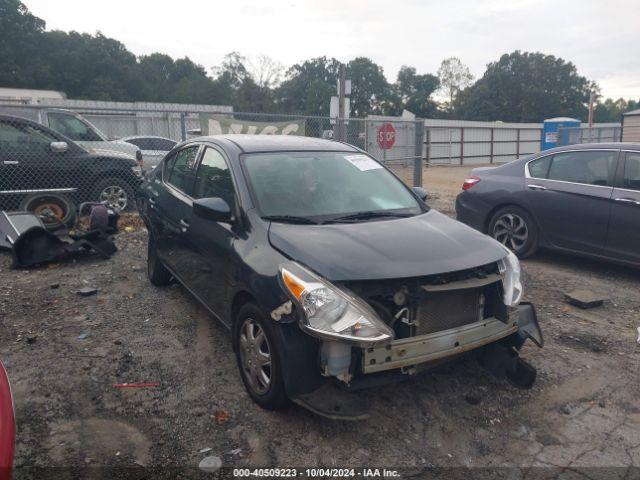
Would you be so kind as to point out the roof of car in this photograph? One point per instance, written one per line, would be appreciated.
(592, 146)
(279, 143)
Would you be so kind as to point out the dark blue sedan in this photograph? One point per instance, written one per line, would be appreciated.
(582, 199)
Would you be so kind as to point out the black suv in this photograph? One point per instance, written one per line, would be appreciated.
(327, 269)
(42, 170)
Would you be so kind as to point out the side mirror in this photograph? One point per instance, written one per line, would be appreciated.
(59, 147)
(421, 192)
(215, 209)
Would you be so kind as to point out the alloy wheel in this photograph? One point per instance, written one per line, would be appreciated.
(255, 356)
(114, 196)
(511, 230)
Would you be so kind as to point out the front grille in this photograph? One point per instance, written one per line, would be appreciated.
(442, 310)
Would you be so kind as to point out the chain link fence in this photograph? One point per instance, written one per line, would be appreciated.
(53, 159)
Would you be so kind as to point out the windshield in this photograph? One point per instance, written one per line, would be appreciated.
(324, 184)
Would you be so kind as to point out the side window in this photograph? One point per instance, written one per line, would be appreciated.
(540, 168)
(631, 177)
(214, 178)
(72, 127)
(22, 137)
(178, 170)
(591, 168)
(162, 145)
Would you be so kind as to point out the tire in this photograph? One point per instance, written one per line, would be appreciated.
(52, 208)
(156, 271)
(515, 229)
(259, 358)
(115, 193)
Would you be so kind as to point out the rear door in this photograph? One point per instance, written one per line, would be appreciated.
(569, 194)
(623, 240)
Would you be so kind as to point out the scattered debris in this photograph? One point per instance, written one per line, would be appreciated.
(83, 336)
(32, 339)
(235, 451)
(601, 403)
(137, 385)
(205, 450)
(210, 464)
(87, 291)
(566, 409)
(638, 335)
(220, 416)
(54, 286)
(584, 298)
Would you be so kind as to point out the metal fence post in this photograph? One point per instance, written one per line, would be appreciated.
(491, 146)
(518, 143)
(183, 127)
(417, 161)
(461, 145)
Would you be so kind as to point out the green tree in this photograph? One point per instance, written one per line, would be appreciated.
(454, 76)
(20, 42)
(413, 92)
(308, 87)
(370, 91)
(526, 87)
(611, 110)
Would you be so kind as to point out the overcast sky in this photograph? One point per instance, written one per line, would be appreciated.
(601, 37)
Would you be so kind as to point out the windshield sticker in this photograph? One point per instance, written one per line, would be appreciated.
(362, 162)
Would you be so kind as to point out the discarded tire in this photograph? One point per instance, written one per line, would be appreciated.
(52, 208)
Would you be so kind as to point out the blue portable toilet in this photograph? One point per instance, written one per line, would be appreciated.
(550, 131)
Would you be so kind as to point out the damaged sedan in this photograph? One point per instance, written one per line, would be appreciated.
(330, 273)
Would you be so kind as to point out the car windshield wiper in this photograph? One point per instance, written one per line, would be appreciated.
(354, 217)
(289, 219)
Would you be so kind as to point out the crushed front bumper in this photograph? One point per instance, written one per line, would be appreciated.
(409, 352)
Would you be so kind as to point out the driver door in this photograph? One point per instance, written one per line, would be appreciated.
(211, 242)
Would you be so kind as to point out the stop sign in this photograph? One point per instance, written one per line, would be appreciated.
(386, 136)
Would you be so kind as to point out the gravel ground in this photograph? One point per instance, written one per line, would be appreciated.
(582, 412)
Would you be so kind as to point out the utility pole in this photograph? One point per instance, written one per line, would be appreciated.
(341, 95)
(591, 101)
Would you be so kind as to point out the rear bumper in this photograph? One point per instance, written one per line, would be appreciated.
(409, 352)
(469, 214)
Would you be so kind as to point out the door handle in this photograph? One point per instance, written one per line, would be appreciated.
(536, 187)
(627, 200)
(183, 225)
(11, 162)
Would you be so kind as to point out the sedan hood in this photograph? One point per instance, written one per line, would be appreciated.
(427, 244)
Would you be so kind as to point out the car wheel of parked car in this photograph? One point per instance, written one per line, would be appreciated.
(52, 208)
(258, 358)
(515, 229)
(156, 271)
(115, 193)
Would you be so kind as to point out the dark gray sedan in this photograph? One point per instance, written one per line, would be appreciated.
(582, 199)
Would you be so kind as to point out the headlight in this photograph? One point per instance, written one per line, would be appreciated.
(330, 313)
(510, 269)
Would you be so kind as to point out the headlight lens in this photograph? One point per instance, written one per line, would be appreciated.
(331, 313)
(511, 285)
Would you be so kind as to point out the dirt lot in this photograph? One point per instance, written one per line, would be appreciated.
(583, 411)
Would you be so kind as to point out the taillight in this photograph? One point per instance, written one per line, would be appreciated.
(470, 182)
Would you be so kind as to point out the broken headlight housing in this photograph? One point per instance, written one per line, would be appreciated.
(511, 285)
(329, 312)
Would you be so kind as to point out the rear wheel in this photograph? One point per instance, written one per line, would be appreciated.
(515, 229)
(258, 358)
(52, 208)
(156, 271)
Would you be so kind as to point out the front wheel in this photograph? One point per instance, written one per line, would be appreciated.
(258, 358)
(115, 193)
(515, 229)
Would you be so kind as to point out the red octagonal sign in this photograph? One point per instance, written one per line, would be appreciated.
(386, 136)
